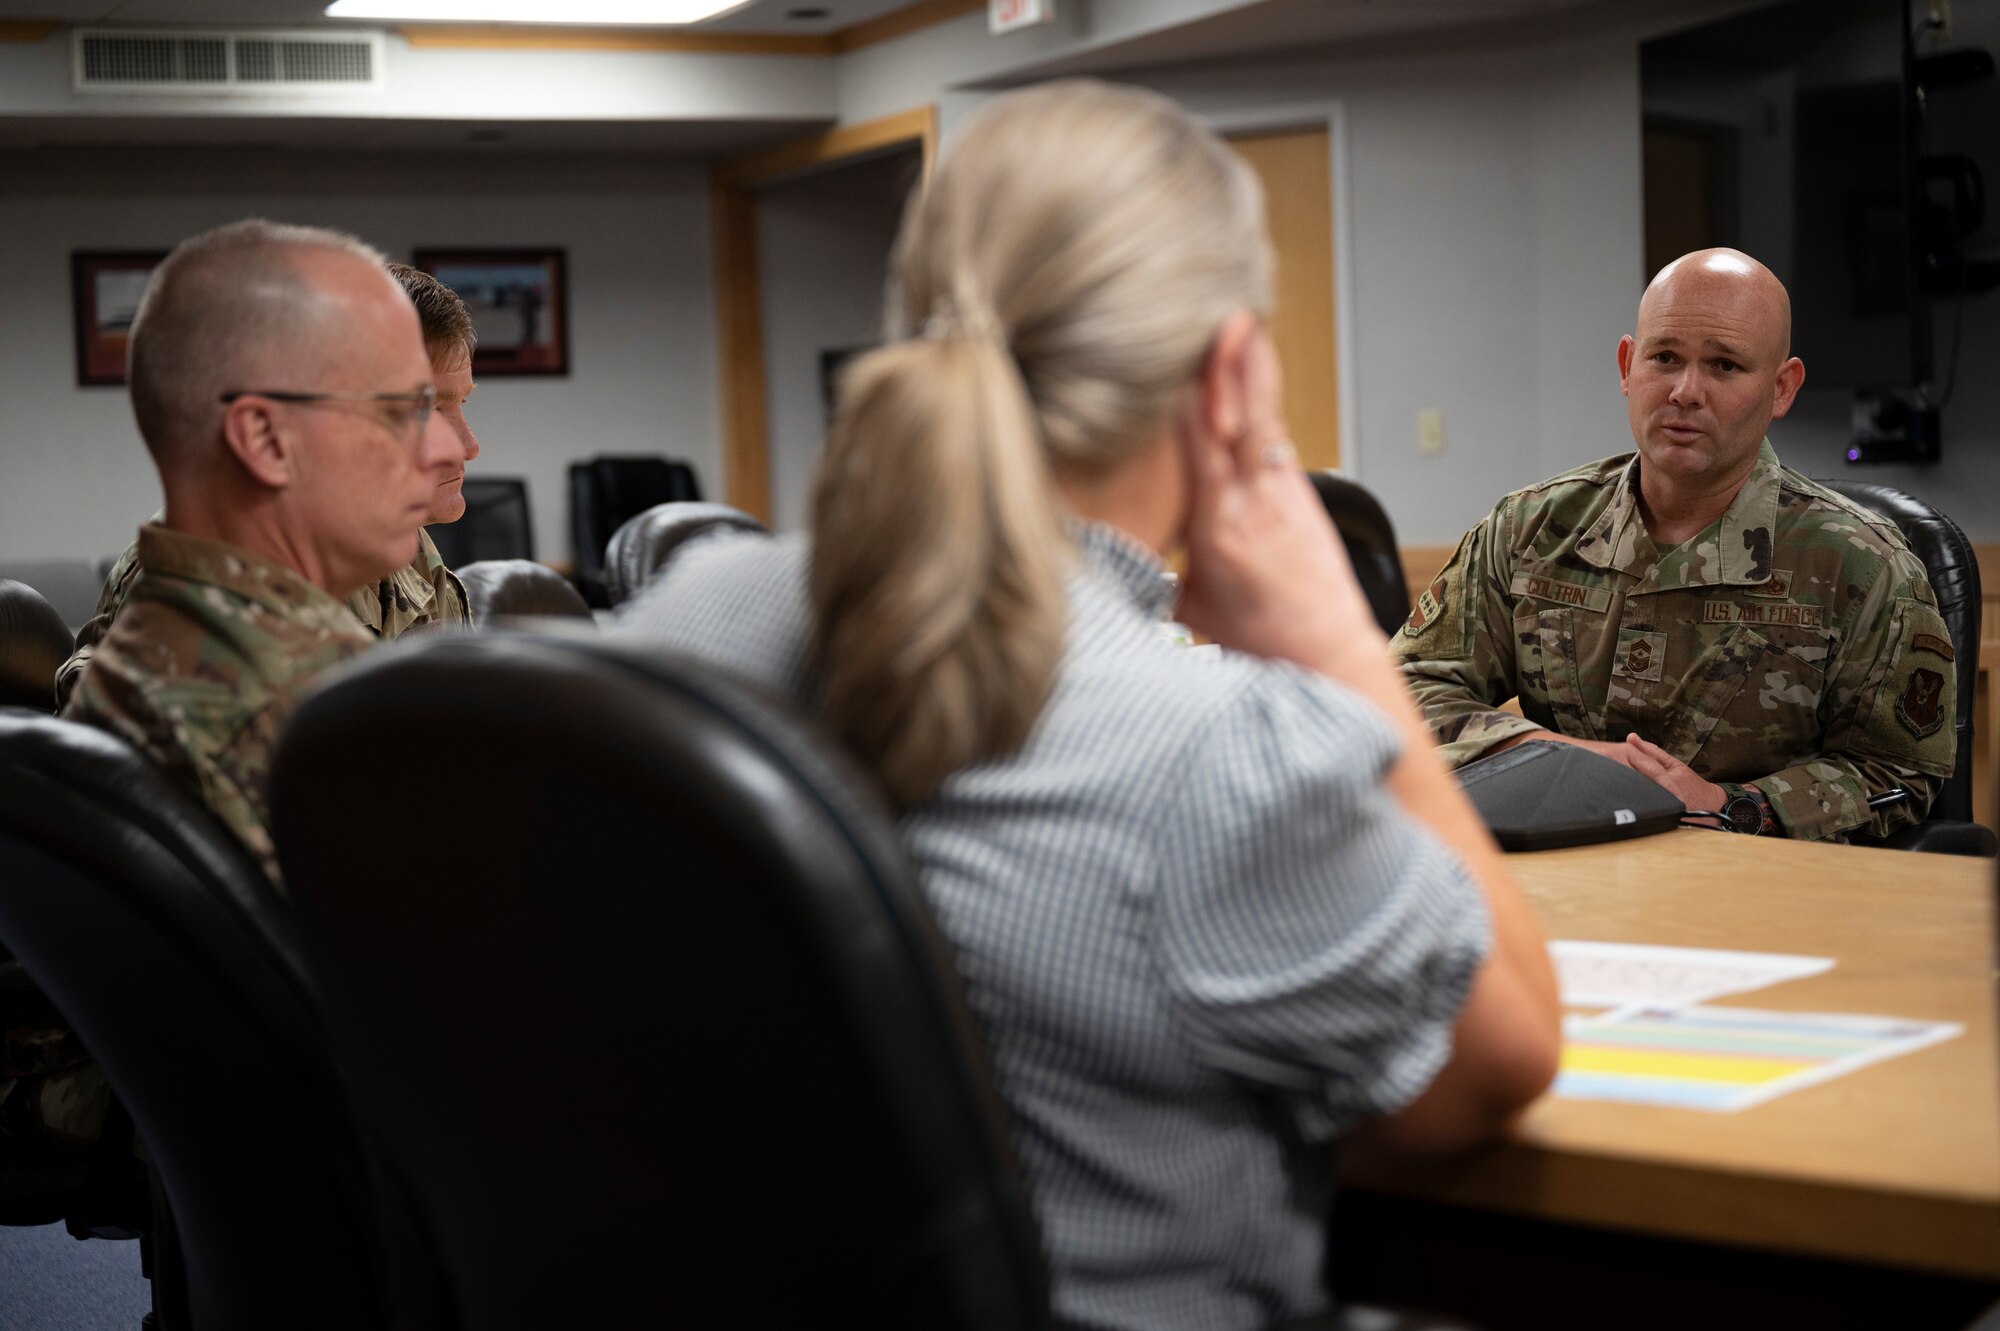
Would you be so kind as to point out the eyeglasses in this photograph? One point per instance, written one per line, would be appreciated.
(422, 402)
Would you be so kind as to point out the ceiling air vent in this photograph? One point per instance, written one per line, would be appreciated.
(118, 61)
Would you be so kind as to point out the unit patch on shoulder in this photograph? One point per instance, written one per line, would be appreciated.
(1921, 707)
(1430, 607)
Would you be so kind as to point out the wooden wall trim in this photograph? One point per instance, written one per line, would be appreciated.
(536, 37)
(746, 454)
(1988, 555)
(746, 450)
(917, 126)
(901, 22)
(26, 31)
(1421, 564)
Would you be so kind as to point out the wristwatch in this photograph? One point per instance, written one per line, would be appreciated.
(1747, 811)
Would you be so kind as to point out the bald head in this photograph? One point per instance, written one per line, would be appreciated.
(1729, 283)
(251, 305)
(1706, 371)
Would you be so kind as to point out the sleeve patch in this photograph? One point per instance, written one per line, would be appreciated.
(1440, 625)
(1907, 720)
(1932, 643)
(1920, 709)
(1430, 607)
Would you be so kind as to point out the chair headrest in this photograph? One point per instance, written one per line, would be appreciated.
(680, 909)
(88, 799)
(1357, 513)
(34, 642)
(498, 588)
(642, 547)
(1940, 543)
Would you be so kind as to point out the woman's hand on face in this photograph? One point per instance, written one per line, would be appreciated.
(1266, 571)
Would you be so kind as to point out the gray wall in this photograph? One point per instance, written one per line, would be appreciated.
(1492, 246)
(74, 477)
(1491, 202)
(823, 250)
(1493, 209)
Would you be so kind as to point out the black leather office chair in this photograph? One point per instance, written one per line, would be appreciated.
(516, 587)
(34, 642)
(1954, 572)
(164, 947)
(642, 547)
(1371, 546)
(672, 1040)
(607, 492)
(496, 523)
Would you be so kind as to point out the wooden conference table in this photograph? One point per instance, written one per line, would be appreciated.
(1896, 1164)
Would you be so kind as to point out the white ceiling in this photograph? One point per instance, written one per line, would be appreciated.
(764, 16)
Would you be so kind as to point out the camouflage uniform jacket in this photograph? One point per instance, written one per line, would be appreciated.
(198, 674)
(1796, 644)
(423, 591)
(204, 666)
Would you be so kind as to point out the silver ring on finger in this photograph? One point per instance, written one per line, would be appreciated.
(1280, 455)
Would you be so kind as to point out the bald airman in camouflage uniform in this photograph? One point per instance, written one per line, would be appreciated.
(281, 382)
(422, 592)
(1695, 610)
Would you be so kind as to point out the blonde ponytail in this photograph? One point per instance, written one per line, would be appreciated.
(937, 562)
(1053, 289)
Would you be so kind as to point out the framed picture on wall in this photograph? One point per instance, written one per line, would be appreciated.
(104, 288)
(519, 300)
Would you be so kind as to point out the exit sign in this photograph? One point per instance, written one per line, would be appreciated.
(1007, 15)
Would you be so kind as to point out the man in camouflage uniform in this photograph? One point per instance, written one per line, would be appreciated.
(1697, 611)
(423, 591)
(280, 381)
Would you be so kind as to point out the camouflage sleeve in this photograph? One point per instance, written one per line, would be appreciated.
(1891, 693)
(110, 601)
(1456, 648)
(234, 787)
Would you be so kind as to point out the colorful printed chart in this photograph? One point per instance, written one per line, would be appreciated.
(1725, 1059)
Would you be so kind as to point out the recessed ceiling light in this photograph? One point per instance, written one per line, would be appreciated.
(575, 13)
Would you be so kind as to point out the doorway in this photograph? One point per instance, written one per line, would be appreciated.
(1295, 166)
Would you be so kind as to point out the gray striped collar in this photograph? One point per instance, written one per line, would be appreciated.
(1111, 553)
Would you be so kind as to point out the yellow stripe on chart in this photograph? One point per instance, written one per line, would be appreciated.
(1680, 1067)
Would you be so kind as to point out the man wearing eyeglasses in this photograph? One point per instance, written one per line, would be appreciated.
(304, 432)
(423, 591)
(281, 382)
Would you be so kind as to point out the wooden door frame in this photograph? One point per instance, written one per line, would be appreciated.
(1330, 115)
(746, 446)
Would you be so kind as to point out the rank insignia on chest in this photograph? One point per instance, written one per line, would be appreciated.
(1779, 588)
(1921, 707)
(1639, 655)
(1430, 607)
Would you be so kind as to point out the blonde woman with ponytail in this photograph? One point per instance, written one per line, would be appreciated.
(1184, 892)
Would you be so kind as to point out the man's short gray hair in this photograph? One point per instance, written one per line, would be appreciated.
(223, 304)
